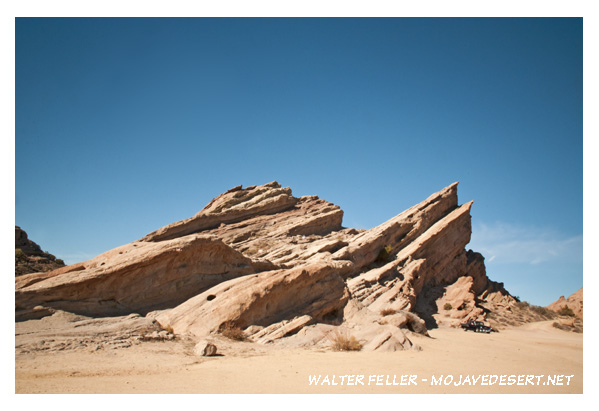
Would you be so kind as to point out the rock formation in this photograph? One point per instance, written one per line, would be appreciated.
(278, 268)
(29, 257)
(573, 302)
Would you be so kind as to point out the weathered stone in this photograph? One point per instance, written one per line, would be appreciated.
(137, 277)
(284, 269)
(231, 207)
(282, 329)
(66, 331)
(317, 290)
(205, 349)
(573, 302)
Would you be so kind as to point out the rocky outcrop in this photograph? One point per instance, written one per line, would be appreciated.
(137, 277)
(29, 257)
(67, 331)
(280, 268)
(573, 302)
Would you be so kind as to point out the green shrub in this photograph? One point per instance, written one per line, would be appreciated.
(60, 261)
(19, 254)
(232, 332)
(385, 254)
(566, 311)
(545, 312)
(447, 307)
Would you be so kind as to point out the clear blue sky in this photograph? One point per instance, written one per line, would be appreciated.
(125, 125)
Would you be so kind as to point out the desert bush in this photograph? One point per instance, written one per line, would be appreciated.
(343, 342)
(232, 332)
(19, 254)
(542, 311)
(577, 328)
(60, 261)
(447, 307)
(387, 311)
(566, 311)
(385, 254)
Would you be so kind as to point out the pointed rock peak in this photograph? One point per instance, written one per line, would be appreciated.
(451, 189)
(273, 184)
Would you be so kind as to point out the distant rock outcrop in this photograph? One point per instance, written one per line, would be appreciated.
(29, 257)
(278, 267)
(573, 302)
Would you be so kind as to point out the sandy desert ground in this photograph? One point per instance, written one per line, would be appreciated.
(535, 358)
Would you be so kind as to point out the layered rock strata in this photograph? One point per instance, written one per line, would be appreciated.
(284, 268)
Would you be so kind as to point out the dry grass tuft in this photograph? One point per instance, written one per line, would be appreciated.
(232, 332)
(343, 342)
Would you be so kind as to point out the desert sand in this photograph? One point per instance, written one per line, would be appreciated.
(243, 367)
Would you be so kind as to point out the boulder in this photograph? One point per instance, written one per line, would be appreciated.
(205, 349)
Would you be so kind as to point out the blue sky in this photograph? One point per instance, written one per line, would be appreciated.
(125, 125)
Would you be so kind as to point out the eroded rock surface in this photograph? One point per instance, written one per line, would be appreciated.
(67, 331)
(573, 302)
(283, 270)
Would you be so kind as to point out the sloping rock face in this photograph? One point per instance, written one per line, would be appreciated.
(136, 278)
(573, 302)
(283, 268)
(29, 257)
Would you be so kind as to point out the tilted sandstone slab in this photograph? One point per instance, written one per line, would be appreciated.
(316, 290)
(235, 205)
(281, 329)
(291, 237)
(267, 222)
(274, 265)
(137, 277)
(400, 231)
(435, 257)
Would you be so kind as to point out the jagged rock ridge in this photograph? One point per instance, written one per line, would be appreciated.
(279, 266)
(29, 256)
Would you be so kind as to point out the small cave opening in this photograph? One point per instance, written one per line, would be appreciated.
(211, 297)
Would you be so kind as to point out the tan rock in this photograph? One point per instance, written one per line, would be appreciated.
(284, 270)
(573, 302)
(316, 290)
(205, 349)
(279, 330)
(137, 277)
(233, 206)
